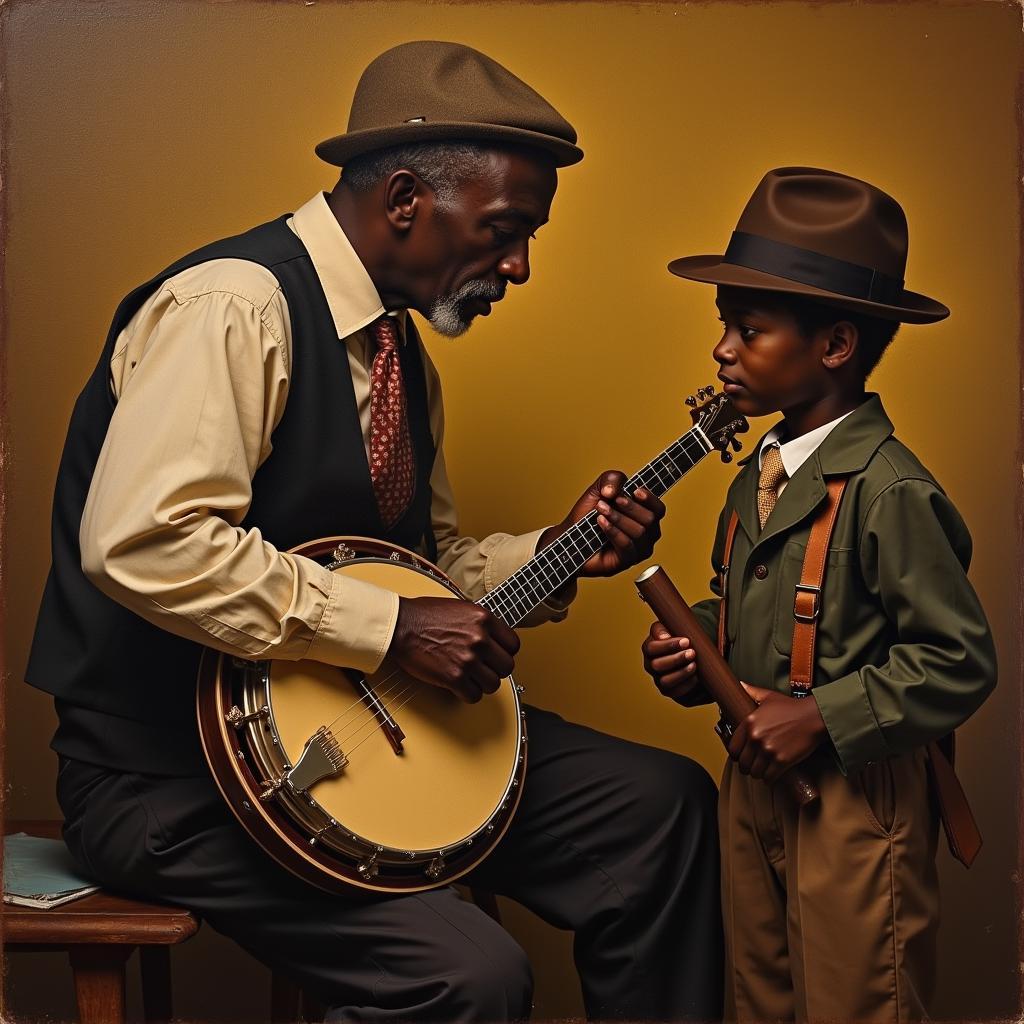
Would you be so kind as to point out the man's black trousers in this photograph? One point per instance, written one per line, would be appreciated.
(613, 840)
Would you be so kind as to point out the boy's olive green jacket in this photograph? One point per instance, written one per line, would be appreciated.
(904, 652)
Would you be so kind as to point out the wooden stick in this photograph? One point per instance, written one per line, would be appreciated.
(713, 670)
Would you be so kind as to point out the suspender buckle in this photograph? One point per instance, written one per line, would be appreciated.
(804, 611)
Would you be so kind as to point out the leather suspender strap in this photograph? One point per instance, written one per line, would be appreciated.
(807, 599)
(961, 829)
(723, 578)
(962, 832)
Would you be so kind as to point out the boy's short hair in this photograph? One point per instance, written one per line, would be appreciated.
(873, 333)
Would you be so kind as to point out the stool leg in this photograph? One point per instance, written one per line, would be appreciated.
(99, 982)
(155, 962)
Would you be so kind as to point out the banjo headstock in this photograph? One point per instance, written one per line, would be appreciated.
(718, 420)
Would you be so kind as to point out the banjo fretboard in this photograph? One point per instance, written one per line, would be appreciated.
(562, 560)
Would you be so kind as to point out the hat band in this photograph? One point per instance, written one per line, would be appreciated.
(812, 268)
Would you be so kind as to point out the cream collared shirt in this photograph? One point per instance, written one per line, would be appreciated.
(796, 452)
(201, 377)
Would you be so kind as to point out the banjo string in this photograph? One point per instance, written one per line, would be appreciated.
(370, 718)
(373, 723)
(399, 708)
(364, 701)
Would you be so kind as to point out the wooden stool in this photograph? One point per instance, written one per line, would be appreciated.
(100, 932)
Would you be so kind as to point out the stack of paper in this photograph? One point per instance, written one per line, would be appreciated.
(40, 873)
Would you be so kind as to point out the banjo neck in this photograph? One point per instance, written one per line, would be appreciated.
(561, 561)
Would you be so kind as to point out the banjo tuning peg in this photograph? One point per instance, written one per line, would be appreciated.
(727, 456)
(691, 401)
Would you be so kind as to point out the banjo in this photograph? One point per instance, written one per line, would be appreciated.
(385, 783)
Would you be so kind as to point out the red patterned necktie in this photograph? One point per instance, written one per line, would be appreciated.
(392, 464)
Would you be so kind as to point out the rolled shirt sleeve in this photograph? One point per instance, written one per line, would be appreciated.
(914, 552)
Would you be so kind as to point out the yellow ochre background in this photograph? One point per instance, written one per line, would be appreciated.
(135, 132)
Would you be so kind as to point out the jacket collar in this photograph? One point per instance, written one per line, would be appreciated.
(846, 450)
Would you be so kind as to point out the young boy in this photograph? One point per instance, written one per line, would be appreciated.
(830, 910)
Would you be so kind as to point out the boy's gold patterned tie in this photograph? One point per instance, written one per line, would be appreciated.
(392, 464)
(772, 474)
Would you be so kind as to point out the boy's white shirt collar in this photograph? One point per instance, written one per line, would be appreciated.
(796, 452)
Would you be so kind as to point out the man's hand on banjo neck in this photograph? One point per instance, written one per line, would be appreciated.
(462, 647)
(631, 523)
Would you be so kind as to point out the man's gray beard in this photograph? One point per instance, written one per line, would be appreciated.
(446, 312)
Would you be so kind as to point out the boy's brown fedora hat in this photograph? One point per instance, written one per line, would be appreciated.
(427, 91)
(824, 235)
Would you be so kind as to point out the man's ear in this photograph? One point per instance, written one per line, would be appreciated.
(404, 196)
(840, 344)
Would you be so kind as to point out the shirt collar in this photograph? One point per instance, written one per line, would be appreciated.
(796, 452)
(351, 295)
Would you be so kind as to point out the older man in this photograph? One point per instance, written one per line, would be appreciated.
(269, 389)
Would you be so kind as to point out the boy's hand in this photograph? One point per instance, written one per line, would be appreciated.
(779, 733)
(671, 662)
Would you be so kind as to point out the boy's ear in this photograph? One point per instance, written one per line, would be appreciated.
(840, 344)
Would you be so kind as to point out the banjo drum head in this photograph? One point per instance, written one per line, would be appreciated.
(457, 762)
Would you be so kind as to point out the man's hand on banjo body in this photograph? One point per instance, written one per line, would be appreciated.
(457, 645)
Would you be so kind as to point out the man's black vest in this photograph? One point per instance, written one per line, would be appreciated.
(124, 688)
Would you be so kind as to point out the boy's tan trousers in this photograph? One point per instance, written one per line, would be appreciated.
(830, 911)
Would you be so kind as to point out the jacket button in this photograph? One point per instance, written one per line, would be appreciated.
(761, 572)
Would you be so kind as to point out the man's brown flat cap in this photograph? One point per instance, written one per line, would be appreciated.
(424, 91)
